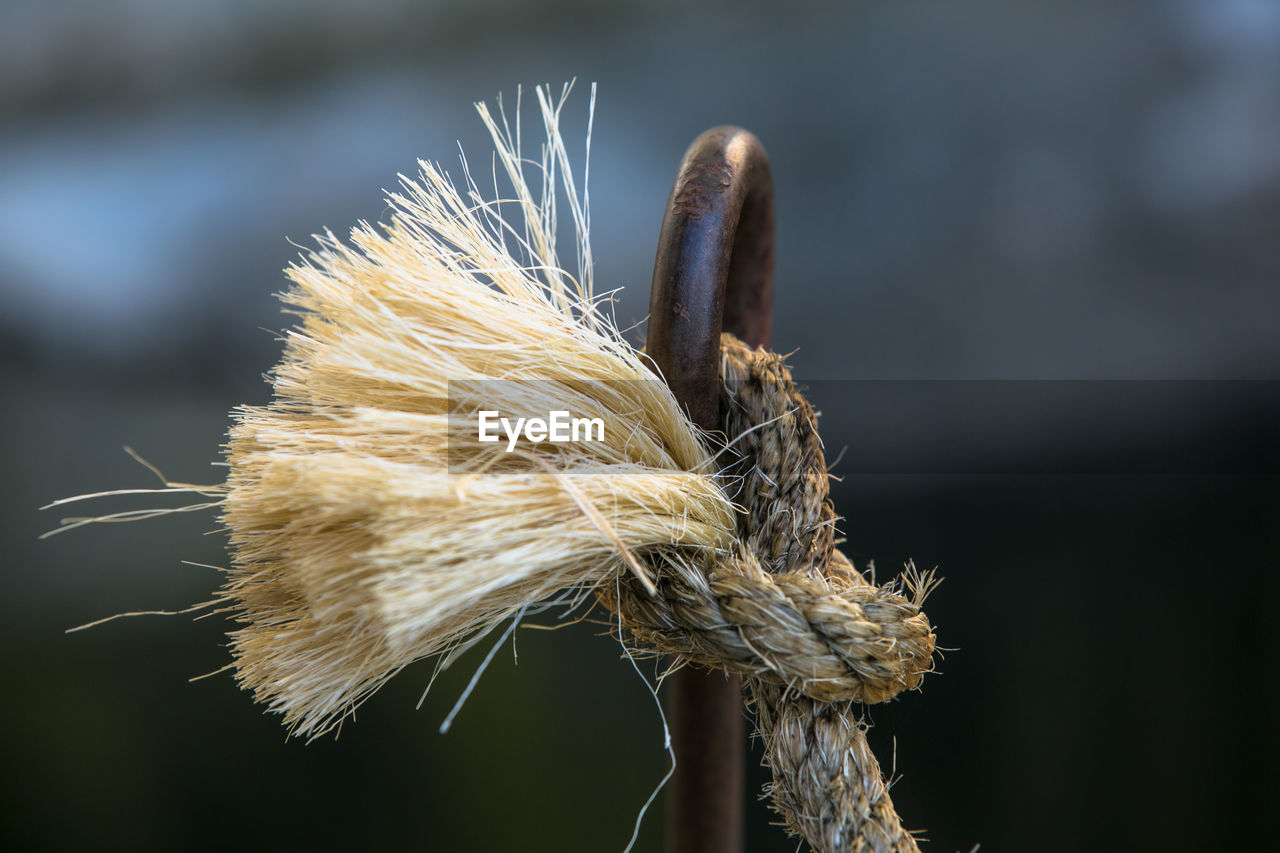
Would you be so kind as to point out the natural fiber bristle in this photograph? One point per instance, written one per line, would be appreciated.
(358, 547)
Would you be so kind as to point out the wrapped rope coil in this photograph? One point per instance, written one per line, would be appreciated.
(788, 611)
(827, 784)
(783, 606)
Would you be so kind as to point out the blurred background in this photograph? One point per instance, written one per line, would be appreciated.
(982, 190)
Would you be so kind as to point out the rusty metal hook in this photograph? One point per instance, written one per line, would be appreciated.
(713, 272)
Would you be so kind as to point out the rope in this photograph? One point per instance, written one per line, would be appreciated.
(787, 611)
(356, 549)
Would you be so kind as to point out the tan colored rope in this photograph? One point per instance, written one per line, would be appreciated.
(788, 612)
(366, 536)
(827, 785)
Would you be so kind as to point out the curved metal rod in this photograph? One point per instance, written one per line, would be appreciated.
(713, 272)
(714, 267)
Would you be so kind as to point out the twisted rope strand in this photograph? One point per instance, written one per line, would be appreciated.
(789, 612)
(827, 785)
(857, 643)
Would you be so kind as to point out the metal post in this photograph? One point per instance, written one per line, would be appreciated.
(713, 272)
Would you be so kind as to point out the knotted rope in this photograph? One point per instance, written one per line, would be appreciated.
(365, 535)
(788, 612)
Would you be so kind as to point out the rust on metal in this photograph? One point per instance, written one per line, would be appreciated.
(713, 272)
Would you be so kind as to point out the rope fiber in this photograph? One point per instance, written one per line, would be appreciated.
(786, 610)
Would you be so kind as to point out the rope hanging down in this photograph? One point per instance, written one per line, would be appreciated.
(787, 611)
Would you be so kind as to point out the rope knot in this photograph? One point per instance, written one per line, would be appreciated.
(782, 605)
(786, 610)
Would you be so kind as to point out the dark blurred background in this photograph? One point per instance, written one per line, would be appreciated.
(980, 190)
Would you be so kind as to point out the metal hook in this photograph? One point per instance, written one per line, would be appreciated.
(713, 272)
